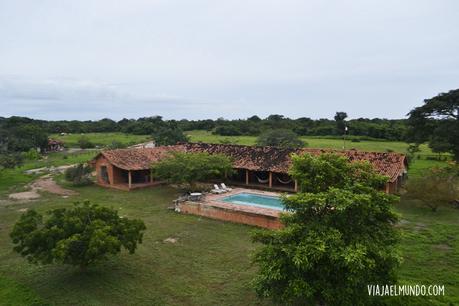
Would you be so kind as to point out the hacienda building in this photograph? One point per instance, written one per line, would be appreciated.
(254, 167)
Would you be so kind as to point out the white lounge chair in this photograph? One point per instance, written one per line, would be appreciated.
(218, 188)
(224, 187)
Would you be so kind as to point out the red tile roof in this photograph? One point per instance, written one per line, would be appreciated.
(253, 158)
(137, 159)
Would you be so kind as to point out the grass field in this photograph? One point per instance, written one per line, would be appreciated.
(15, 179)
(101, 139)
(210, 263)
(312, 142)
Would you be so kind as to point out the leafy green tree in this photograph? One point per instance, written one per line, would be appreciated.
(338, 237)
(171, 135)
(280, 138)
(9, 160)
(82, 235)
(32, 154)
(80, 175)
(318, 173)
(435, 187)
(437, 121)
(190, 168)
(85, 143)
(340, 118)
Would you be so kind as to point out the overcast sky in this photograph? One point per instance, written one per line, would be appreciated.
(208, 59)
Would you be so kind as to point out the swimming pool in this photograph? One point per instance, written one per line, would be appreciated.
(253, 199)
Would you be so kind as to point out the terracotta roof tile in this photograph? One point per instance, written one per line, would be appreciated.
(253, 158)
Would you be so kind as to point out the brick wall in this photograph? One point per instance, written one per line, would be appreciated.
(229, 215)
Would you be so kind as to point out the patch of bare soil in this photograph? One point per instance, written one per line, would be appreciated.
(44, 183)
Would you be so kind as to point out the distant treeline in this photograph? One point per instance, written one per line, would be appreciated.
(371, 128)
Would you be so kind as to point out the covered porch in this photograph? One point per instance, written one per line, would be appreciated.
(263, 180)
(123, 179)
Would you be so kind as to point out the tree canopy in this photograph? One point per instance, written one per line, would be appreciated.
(171, 135)
(337, 237)
(280, 138)
(437, 121)
(393, 129)
(190, 168)
(340, 123)
(81, 235)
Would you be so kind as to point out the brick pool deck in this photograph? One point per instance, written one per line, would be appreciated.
(212, 206)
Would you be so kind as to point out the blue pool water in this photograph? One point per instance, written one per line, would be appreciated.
(252, 199)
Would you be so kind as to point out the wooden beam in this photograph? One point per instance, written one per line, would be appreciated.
(296, 185)
(129, 179)
(270, 179)
(246, 176)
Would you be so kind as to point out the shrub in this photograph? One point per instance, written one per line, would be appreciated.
(436, 187)
(32, 154)
(191, 168)
(116, 145)
(79, 175)
(81, 235)
(85, 143)
(280, 138)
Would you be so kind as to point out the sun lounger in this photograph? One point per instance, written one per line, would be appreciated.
(224, 187)
(218, 188)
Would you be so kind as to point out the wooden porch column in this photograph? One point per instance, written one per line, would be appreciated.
(270, 179)
(246, 176)
(151, 176)
(129, 179)
(296, 185)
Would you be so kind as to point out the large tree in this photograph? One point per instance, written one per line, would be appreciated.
(280, 138)
(169, 135)
(437, 121)
(81, 235)
(338, 237)
(190, 168)
(340, 123)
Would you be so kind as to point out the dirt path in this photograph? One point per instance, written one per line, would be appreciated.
(44, 183)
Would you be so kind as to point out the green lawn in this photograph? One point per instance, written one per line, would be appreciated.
(210, 263)
(15, 179)
(312, 142)
(101, 139)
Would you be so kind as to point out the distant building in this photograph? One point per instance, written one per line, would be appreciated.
(54, 145)
(257, 167)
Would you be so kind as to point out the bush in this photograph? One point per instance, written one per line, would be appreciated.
(436, 187)
(81, 235)
(116, 145)
(10, 160)
(32, 154)
(79, 175)
(191, 168)
(280, 138)
(85, 143)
